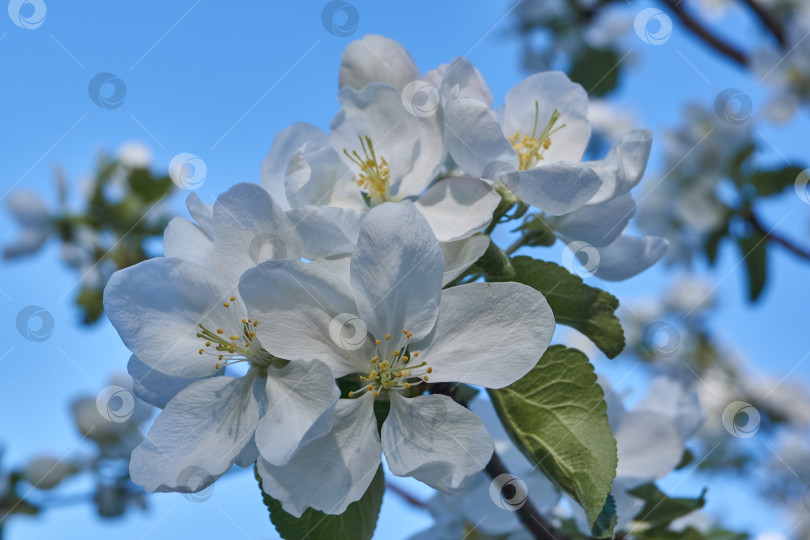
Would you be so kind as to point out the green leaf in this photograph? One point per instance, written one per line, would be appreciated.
(556, 415)
(495, 264)
(588, 309)
(774, 181)
(536, 232)
(356, 523)
(689, 533)
(659, 509)
(754, 252)
(606, 521)
(596, 69)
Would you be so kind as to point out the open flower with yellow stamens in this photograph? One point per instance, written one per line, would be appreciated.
(185, 322)
(534, 148)
(393, 330)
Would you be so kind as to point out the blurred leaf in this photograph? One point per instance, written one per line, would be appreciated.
(597, 70)
(774, 181)
(753, 249)
(588, 309)
(556, 415)
(495, 264)
(356, 523)
(90, 301)
(713, 239)
(686, 458)
(606, 521)
(661, 510)
(149, 188)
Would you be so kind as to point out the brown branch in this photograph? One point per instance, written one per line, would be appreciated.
(407, 496)
(705, 34)
(532, 520)
(776, 238)
(770, 22)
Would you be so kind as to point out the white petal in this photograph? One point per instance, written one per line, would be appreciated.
(302, 311)
(331, 472)
(458, 207)
(326, 231)
(555, 188)
(202, 213)
(198, 436)
(668, 397)
(487, 334)
(551, 90)
(435, 440)
(412, 146)
(461, 79)
(28, 209)
(156, 306)
(320, 178)
(597, 224)
(155, 387)
(649, 446)
(396, 273)
(29, 241)
(250, 228)
(461, 254)
(185, 240)
(287, 143)
(301, 399)
(378, 59)
(628, 256)
(624, 165)
(475, 139)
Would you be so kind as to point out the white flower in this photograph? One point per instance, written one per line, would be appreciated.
(184, 319)
(601, 222)
(487, 334)
(134, 155)
(46, 472)
(788, 73)
(534, 148)
(30, 212)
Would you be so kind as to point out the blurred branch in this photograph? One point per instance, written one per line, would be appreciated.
(705, 34)
(754, 221)
(408, 497)
(770, 22)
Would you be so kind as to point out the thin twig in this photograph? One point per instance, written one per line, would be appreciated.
(532, 520)
(771, 23)
(776, 238)
(407, 496)
(705, 34)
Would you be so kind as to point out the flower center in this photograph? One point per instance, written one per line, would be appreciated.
(530, 148)
(232, 347)
(399, 372)
(375, 177)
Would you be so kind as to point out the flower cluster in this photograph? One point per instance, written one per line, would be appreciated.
(309, 324)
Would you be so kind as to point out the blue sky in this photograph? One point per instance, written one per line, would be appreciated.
(219, 80)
